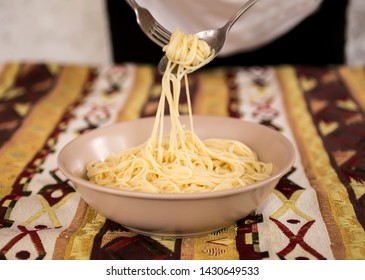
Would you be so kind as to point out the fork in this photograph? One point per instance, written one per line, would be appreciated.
(149, 25)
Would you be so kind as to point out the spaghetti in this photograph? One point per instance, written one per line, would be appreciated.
(180, 162)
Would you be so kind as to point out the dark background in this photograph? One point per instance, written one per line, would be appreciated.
(318, 40)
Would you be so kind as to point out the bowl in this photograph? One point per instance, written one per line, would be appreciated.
(175, 215)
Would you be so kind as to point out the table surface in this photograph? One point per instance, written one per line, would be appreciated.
(317, 211)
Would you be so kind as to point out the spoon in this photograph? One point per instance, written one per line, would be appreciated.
(214, 37)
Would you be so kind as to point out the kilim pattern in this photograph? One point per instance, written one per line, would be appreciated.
(315, 212)
(330, 127)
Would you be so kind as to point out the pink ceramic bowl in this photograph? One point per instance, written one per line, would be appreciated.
(175, 215)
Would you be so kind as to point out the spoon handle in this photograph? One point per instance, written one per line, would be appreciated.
(132, 3)
(238, 14)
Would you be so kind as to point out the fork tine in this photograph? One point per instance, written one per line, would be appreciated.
(159, 34)
(161, 41)
(153, 29)
(163, 37)
(162, 30)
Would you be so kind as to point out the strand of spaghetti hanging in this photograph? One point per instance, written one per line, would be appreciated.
(186, 53)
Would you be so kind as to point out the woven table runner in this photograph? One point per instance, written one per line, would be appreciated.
(317, 211)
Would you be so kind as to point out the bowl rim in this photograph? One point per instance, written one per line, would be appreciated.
(76, 180)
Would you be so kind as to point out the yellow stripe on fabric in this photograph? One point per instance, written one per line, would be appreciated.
(144, 78)
(213, 94)
(354, 78)
(30, 137)
(63, 238)
(81, 241)
(7, 77)
(349, 242)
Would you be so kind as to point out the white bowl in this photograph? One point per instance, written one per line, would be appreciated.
(175, 215)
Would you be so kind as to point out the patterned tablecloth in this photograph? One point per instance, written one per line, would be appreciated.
(317, 211)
